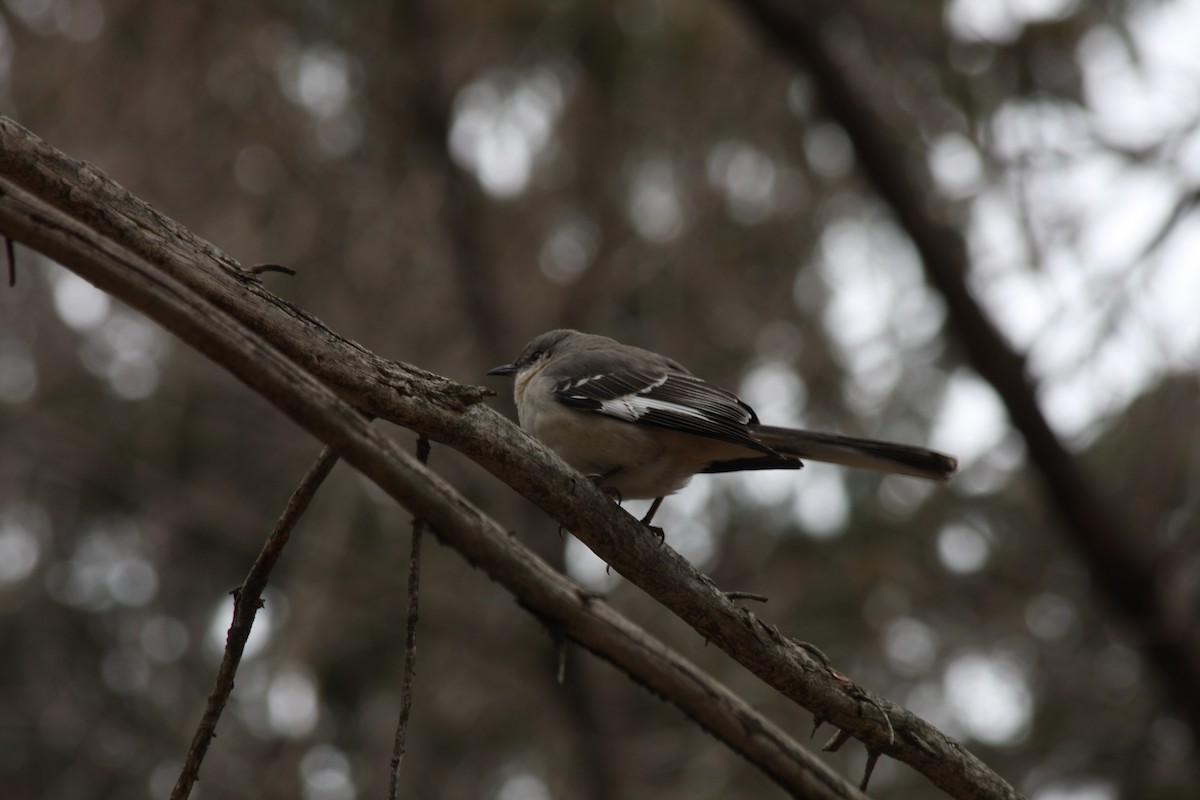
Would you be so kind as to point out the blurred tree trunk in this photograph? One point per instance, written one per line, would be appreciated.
(1097, 528)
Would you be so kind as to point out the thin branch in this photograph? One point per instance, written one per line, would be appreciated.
(203, 296)
(410, 639)
(247, 599)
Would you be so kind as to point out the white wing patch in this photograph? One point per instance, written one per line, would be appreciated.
(582, 381)
(670, 400)
(633, 407)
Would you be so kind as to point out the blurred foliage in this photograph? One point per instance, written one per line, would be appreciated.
(450, 179)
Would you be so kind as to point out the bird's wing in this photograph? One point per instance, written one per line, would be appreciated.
(663, 398)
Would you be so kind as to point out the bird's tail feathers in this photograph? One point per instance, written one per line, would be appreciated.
(901, 459)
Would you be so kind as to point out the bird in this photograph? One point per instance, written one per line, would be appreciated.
(640, 425)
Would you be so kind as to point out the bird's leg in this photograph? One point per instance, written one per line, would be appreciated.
(599, 478)
(650, 515)
(653, 508)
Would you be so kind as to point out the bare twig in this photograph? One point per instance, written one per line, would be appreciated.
(410, 639)
(247, 599)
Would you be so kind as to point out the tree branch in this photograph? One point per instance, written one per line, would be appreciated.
(247, 599)
(203, 296)
(410, 640)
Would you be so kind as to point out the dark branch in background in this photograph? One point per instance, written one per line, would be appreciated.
(421, 94)
(419, 89)
(247, 599)
(204, 297)
(410, 639)
(1123, 567)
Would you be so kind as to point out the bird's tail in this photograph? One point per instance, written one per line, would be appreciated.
(848, 451)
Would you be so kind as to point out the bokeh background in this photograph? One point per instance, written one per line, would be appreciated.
(450, 179)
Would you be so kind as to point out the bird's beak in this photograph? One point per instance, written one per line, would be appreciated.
(503, 369)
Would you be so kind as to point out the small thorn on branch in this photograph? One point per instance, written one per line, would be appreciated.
(735, 596)
(815, 652)
(836, 741)
(886, 718)
(872, 758)
(259, 269)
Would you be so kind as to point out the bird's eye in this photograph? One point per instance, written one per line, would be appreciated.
(536, 356)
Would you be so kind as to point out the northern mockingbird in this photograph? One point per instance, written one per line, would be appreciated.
(639, 424)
